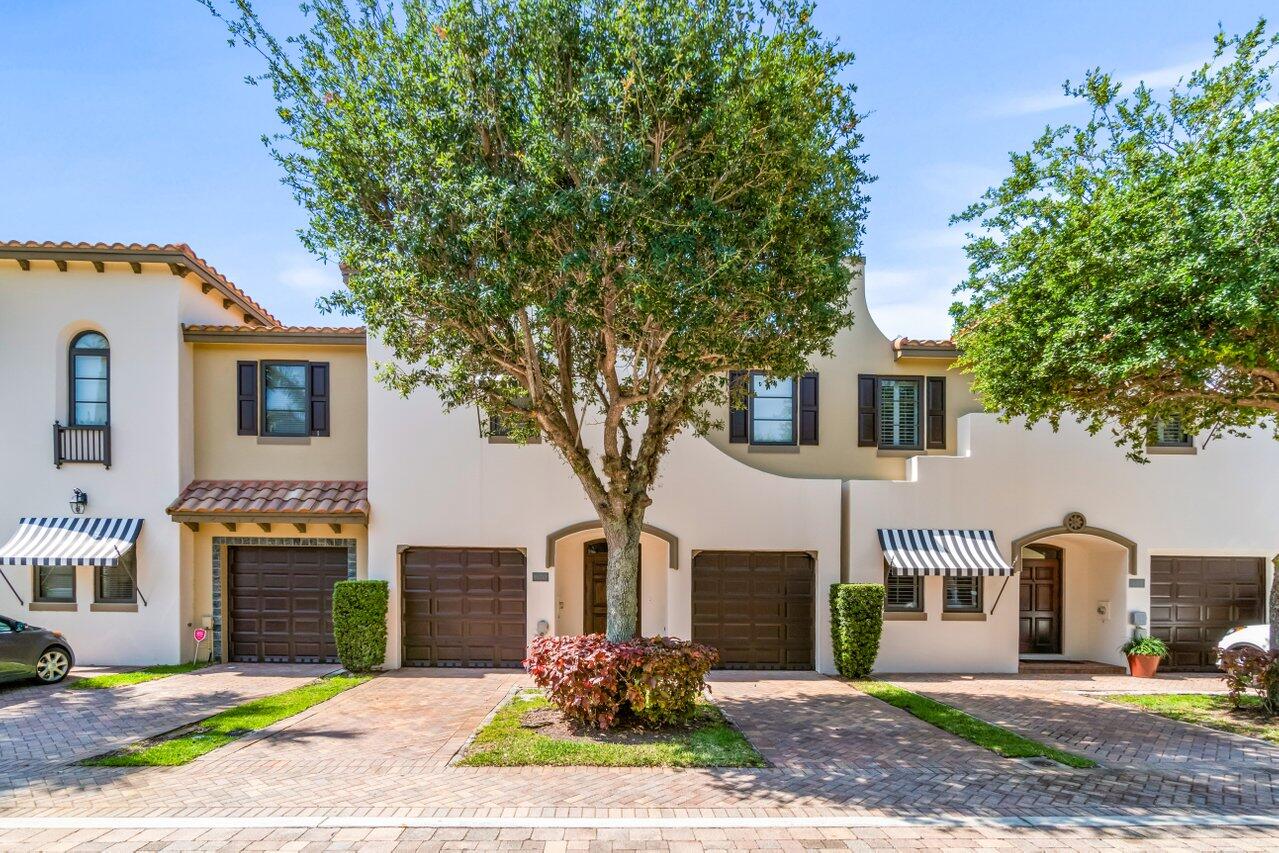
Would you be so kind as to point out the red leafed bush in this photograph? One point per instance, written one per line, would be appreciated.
(1249, 670)
(598, 683)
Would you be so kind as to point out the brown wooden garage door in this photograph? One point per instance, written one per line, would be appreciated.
(756, 607)
(463, 607)
(1194, 601)
(281, 603)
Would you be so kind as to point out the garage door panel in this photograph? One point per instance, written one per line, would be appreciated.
(281, 600)
(1195, 600)
(755, 608)
(463, 607)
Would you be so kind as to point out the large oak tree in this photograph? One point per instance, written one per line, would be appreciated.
(1126, 272)
(576, 214)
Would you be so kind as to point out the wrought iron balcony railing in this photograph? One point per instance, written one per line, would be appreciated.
(81, 444)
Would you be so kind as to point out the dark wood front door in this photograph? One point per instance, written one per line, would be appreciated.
(463, 607)
(595, 617)
(1194, 601)
(1039, 628)
(281, 603)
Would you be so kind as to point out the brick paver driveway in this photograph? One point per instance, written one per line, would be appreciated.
(1067, 711)
(382, 752)
(42, 727)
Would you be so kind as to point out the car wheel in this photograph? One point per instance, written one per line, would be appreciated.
(53, 665)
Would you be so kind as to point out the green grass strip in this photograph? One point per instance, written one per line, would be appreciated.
(992, 737)
(503, 742)
(137, 676)
(221, 729)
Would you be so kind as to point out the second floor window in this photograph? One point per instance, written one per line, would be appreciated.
(286, 399)
(772, 410)
(899, 413)
(1168, 433)
(90, 380)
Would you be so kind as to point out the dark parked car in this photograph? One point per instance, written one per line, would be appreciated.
(27, 651)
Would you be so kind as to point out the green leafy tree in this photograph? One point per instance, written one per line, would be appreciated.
(1126, 272)
(576, 214)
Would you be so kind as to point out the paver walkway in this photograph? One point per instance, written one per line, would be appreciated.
(382, 749)
(42, 727)
(657, 840)
(1067, 711)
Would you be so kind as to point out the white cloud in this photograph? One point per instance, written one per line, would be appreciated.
(1048, 101)
(308, 276)
(913, 301)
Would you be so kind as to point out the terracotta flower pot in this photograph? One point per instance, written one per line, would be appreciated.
(1143, 666)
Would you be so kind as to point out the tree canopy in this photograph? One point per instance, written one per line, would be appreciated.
(1126, 272)
(576, 214)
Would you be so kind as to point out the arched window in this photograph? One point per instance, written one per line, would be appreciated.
(90, 380)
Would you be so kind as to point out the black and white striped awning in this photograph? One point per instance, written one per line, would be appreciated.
(75, 541)
(942, 552)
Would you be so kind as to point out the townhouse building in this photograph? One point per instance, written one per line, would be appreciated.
(176, 459)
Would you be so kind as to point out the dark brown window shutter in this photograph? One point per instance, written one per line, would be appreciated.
(246, 398)
(808, 408)
(738, 413)
(867, 411)
(936, 410)
(319, 398)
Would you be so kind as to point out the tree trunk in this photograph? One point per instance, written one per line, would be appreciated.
(623, 537)
(1274, 629)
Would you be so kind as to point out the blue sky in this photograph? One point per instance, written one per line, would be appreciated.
(128, 120)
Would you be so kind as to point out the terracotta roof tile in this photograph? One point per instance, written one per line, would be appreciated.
(126, 249)
(354, 331)
(923, 343)
(273, 497)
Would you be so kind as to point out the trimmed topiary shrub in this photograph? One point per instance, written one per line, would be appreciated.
(856, 625)
(359, 623)
(598, 683)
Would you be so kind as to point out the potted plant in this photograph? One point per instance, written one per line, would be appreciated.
(1144, 654)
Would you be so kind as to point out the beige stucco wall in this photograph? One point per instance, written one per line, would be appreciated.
(219, 453)
(861, 349)
(456, 489)
(40, 311)
(1016, 482)
(201, 548)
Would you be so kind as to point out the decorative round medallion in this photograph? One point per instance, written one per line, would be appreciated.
(1074, 522)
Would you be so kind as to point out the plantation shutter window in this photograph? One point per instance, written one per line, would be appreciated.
(903, 593)
(899, 414)
(1168, 433)
(772, 410)
(319, 398)
(738, 413)
(115, 584)
(935, 421)
(867, 411)
(246, 397)
(808, 408)
(55, 583)
(962, 594)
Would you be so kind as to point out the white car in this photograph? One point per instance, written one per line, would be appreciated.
(1257, 636)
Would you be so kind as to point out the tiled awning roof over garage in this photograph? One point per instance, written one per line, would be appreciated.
(281, 500)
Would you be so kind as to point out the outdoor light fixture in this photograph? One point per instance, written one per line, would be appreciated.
(79, 502)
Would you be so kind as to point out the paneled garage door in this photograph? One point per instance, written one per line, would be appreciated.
(281, 603)
(463, 606)
(1194, 601)
(756, 607)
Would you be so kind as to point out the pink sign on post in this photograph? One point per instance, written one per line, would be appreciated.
(200, 635)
